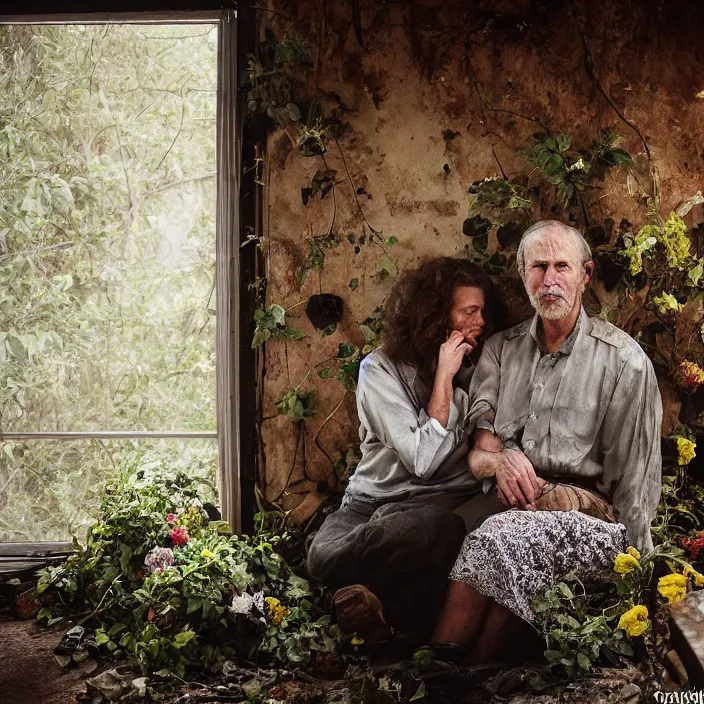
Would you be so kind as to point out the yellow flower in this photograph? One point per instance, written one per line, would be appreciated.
(698, 577)
(356, 640)
(277, 612)
(625, 563)
(673, 587)
(208, 555)
(635, 621)
(633, 552)
(685, 451)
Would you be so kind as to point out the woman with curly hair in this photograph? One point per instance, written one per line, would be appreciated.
(389, 548)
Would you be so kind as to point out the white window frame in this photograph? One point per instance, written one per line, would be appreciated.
(227, 260)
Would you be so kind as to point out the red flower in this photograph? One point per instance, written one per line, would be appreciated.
(179, 536)
(693, 545)
(27, 607)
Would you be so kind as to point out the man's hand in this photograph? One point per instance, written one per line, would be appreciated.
(516, 481)
(451, 353)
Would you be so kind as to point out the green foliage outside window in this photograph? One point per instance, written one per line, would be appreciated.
(107, 250)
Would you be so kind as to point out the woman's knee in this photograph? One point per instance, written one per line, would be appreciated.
(417, 534)
(332, 553)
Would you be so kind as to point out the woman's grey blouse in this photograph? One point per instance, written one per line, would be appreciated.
(405, 453)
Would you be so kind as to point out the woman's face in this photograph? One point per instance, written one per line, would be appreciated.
(466, 313)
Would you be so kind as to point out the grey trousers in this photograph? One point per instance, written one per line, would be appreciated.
(403, 552)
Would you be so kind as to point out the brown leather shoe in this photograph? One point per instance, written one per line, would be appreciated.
(360, 611)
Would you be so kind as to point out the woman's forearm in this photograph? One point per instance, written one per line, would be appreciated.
(440, 399)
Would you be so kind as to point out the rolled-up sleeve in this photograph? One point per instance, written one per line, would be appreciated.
(631, 447)
(484, 388)
(386, 410)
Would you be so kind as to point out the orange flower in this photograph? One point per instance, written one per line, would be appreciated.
(689, 376)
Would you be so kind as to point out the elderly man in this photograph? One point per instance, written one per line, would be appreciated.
(573, 400)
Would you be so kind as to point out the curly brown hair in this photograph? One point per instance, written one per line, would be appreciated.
(417, 312)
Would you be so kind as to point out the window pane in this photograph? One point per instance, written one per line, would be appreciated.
(107, 227)
(50, 488)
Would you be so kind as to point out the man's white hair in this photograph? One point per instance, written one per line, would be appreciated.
(534, 230)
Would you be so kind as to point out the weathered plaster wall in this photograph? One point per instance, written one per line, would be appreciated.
(438, 95)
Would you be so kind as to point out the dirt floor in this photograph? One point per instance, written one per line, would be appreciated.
(29, 674)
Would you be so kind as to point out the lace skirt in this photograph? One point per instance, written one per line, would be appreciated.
(515, 555)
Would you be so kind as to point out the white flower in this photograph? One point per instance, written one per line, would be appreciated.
(258, 600)
(242, 604)
(158, 558)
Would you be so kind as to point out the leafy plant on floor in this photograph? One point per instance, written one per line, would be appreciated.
(587, 628)
(168, 590)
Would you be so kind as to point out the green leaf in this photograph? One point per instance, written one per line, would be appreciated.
(183, 638)
(420, 693)
(564, 590)
(278, 314)
(194, 603)
(294, 114)
(44, 613)
(345, 350)
(583, 661)
(386, 265)
(554, 169)
(695, 274)
(618, 157)
(101, 637)
(298, 587)
(553, 656)
(476, 226)
(563, 142)
(294, 334)
(260, 337)
(624, 647)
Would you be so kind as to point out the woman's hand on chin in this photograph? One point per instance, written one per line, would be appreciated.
(451, 354)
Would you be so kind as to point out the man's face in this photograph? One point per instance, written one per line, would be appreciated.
(555, 276)
(466, 314)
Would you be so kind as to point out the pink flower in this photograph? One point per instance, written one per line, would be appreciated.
(179, 536)
(172, 518)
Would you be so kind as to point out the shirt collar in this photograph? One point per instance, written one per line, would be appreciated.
(566, 347)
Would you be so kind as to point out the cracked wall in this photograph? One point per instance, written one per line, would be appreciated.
(436, 95)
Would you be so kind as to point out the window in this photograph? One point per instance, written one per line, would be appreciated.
(116, 227)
